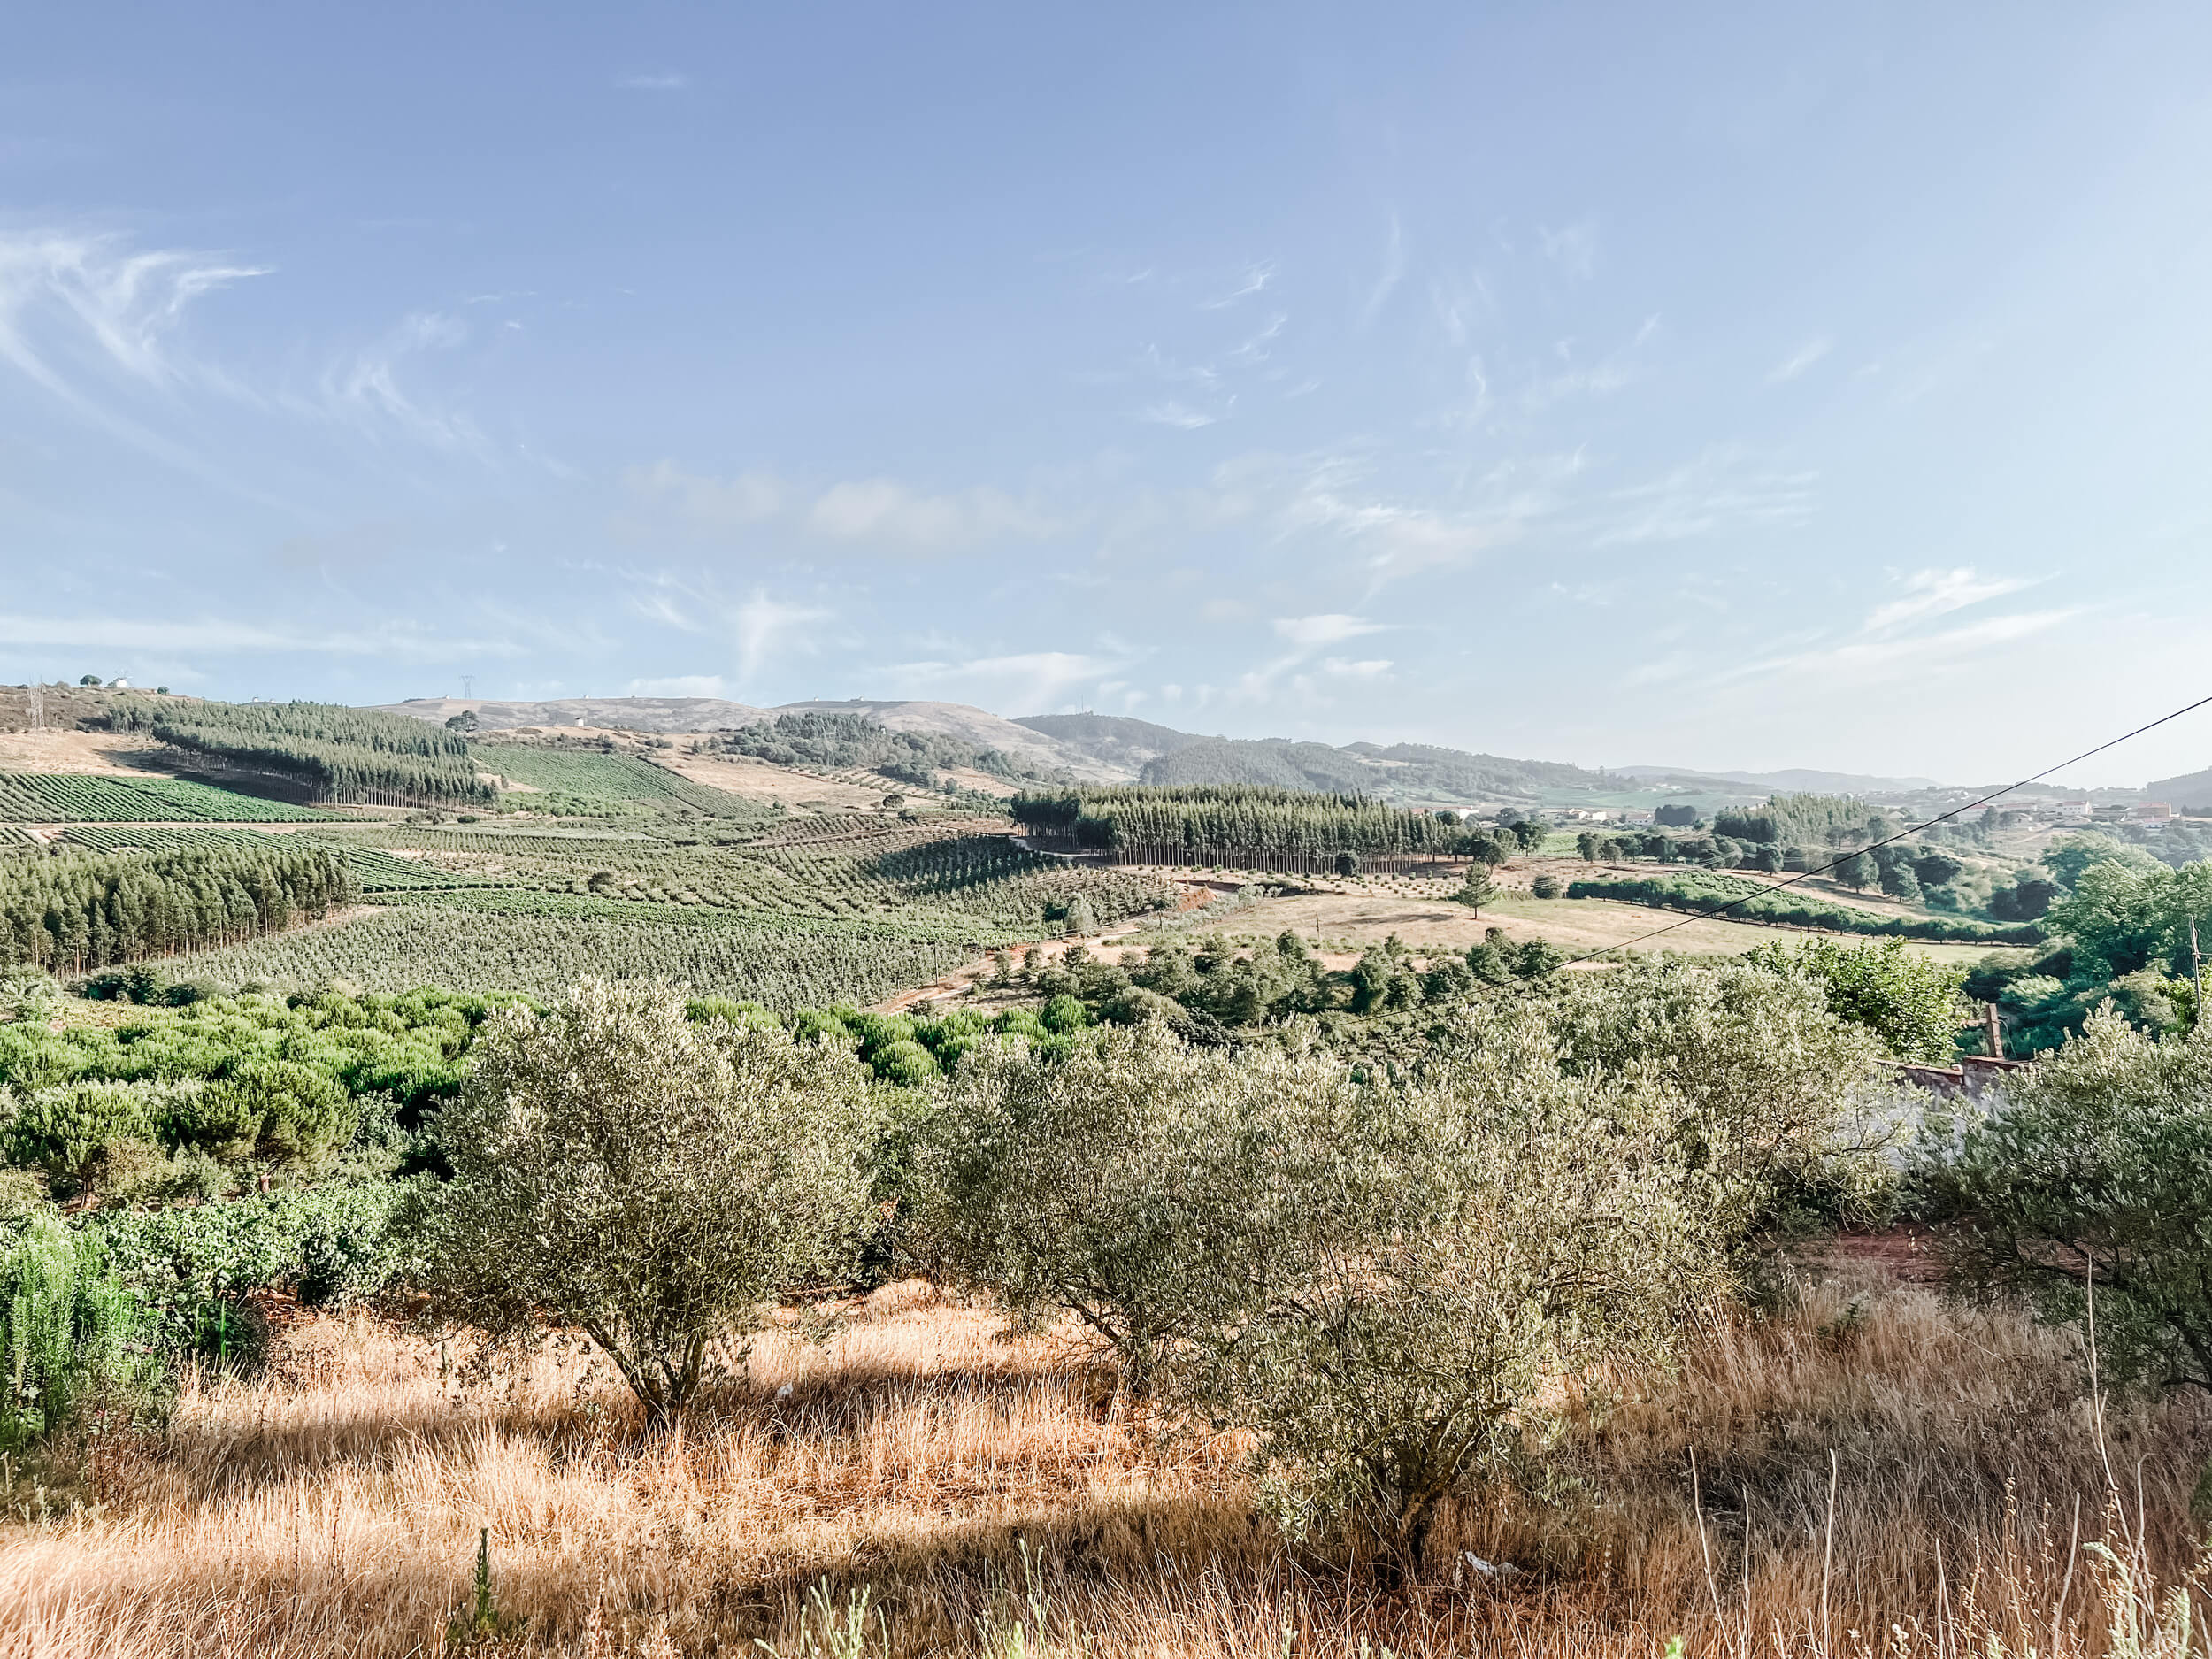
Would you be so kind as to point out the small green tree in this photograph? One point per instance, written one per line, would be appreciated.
(2095, 1169)
(1911, 1002)
(1477, 890)
(649, 1179)
(1435, 1256)
(1110, 1182)
(1780, 1108)
(1346, 863)
(1856, 870)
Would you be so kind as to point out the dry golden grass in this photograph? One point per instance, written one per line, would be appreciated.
(970, 1483)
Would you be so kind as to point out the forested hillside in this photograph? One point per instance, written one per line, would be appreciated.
(327, 751)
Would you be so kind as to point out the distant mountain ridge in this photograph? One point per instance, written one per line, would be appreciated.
(1796, 779)
(1118, 748)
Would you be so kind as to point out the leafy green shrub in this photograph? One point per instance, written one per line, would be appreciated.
(2097, 1163)
(190, 1268)
(76, 1345)
(1909, 1000)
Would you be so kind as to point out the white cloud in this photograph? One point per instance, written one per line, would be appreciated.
(879, 511)
(366, 387)
(763, 629)
(1933, 593)
(664, 82)
(1342, 669)
(1801, 360)
(884, 510)
(74, 290)
(1171, 413)
(748, 499)
(1311, 633)
(1027, 679)
(1864, 661)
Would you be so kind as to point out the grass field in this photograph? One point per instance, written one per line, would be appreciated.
(1873, 1460)
(1422, 919)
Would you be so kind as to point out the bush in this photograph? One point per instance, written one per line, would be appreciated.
(1910, 1002)
(76, 1344)
(1547, 887)
(2096, 1166)
(652, 1182)
(191, 1268)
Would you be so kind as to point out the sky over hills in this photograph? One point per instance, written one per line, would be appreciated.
(1751, 389)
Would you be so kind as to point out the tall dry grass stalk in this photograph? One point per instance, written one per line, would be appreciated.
(1874, 1471)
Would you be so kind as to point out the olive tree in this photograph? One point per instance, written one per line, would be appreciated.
(2094, 1169)
(1435, 1261)
(1780, 1098)
(1111, 1181)
(653, 1181)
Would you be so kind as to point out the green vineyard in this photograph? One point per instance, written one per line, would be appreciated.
(840, 908)
(28, 797)
(586, 783)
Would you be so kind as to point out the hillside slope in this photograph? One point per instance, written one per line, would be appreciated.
(619, 714)
(1112, 740)
(975, 726)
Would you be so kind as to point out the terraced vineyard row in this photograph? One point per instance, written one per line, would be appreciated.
(826, 905)
(28, 797)
(398, 949)
(589, 783)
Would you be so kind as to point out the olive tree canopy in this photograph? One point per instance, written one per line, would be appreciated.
(650, 1180)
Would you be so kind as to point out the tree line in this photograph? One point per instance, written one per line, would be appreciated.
(333, 752)
(1224, 818)
(73, 915)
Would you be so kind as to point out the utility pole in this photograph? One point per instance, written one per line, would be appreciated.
(38, 707)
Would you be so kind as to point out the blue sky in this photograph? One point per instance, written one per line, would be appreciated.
(1726, 386)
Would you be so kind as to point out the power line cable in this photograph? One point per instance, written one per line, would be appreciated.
(1707, 916)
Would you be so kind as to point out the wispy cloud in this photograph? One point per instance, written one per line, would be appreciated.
(665, 81)
(1256, 278)
(1332, 629)
(1386, 281)
(1720, 490)
(1862, 661)
(1171, 413)
(878, 513)
(1800, 360)
(1024, 680)
(1573, 248)
(365, 387)
(170, 636)
(883, 510)
(1933, 593)
(73, 300)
